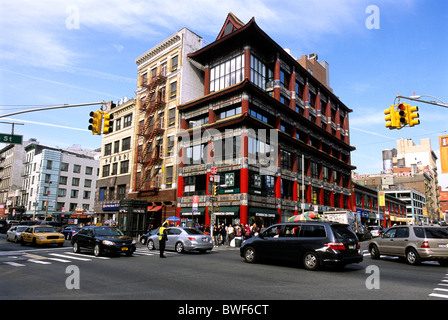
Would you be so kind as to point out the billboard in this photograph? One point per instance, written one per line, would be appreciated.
(443, 141)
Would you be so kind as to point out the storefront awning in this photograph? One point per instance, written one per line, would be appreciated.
(227, 211)
(189, 211)
(155, 209)
(263, 212)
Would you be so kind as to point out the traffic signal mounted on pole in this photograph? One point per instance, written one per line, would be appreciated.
(413, 115)
(391, 118)
(107, 123)
(215, 190)
(95, 120)
(403, 114)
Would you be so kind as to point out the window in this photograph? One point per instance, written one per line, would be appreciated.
(74, 194)
(108, 149)
(87, 183)
(116, 146)
(127, 121)
(310, 231)
(89, 171)
(126, 144)
(195, 154)
(285, 160)
(170, 146)
(86, 195)
(75, 182)
(62, 180)
(258, 72)
(172, 117)
(124, 167)
(163, 69)
(173, 90)
(118, 124)
(64, 166)
(106, 170)
(121, 191)
(114, 168)
(228, 113)
(227, 73)
(62, 192)
(76, 168)
(174, 63)
(169, 177)
(49, 164)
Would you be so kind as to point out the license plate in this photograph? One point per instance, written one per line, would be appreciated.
(204, 240)
(351, 246)
(443, 246)
(124, 249)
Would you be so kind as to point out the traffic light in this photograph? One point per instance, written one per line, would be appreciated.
(403, 114)
(391, 118)
(215, 190)
(107, 123)
(413, 115)
(95, 121)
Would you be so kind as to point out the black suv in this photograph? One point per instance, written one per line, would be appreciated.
(313, 243)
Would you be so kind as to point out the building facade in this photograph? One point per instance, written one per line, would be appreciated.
(59, 183)
(274, 136)
(114, 179)
(165, 79)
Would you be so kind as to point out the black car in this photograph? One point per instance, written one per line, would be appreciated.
(312, 243)
(102, 240)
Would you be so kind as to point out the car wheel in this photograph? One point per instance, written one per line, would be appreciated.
(412, 257)
(151, 245)
(96, 250)
(374, 252)
(311, 261)
(76, 248)
(250, 255)
(179, 247)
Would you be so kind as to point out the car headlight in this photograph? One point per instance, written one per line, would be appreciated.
(134, 242)
(61, 237)
(108, 243)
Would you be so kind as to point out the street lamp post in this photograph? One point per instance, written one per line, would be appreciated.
(441, 103)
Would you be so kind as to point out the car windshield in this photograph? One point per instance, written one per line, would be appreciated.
(44, 229)
(21, 228)
(343, 233)
(436, 233)
(105, 231)
(193, 231)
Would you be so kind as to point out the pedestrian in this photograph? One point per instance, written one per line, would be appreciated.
(223, 233)
(230, 233)
(215, 234)
(162, 239)
(246, 232)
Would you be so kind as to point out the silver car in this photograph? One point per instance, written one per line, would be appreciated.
(415, 243)
(15, 233)
(182, 239)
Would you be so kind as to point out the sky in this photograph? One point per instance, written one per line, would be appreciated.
(55, 52)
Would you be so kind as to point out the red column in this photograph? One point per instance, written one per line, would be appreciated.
(292, 90)
(247, 54)
(318, 109)
(277, 78)
(306, 101)
(206, 80)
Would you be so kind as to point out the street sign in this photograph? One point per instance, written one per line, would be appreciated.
(214, 170)
(9, 138)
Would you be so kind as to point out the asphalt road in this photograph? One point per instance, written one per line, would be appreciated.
(56, 273)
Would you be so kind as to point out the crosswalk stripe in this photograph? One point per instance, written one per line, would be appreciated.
(439, 295)
(77, 254)
(14, 264)
(59, 260)
(65, 256)
(39, 261)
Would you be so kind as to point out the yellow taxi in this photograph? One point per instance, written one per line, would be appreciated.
(42, 234)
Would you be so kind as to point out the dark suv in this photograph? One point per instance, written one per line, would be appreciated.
(313, 243)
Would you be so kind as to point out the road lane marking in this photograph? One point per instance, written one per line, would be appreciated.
(14, 264)
(69, 257)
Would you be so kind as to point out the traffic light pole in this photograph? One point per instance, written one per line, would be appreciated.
(417, 98)
(53, 107)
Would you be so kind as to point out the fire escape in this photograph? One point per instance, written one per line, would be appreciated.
(149, 156)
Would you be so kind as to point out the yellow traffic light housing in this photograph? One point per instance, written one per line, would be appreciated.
(391, 118)
(215, 190)
(107, 123)
(95, 122)
(413, 115)
(403, 114)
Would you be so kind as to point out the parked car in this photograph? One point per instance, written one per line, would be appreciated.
(312, 243)
(144, 238)
(415, 243)
(102, 240)
(375, 231)
(69, 231)
(183, 239)
(15, 233)
(42, 234)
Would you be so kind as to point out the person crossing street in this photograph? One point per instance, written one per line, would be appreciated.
(162, 239)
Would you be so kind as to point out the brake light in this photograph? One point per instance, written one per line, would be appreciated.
(336, 245)
(425, 245)
(192, 238)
